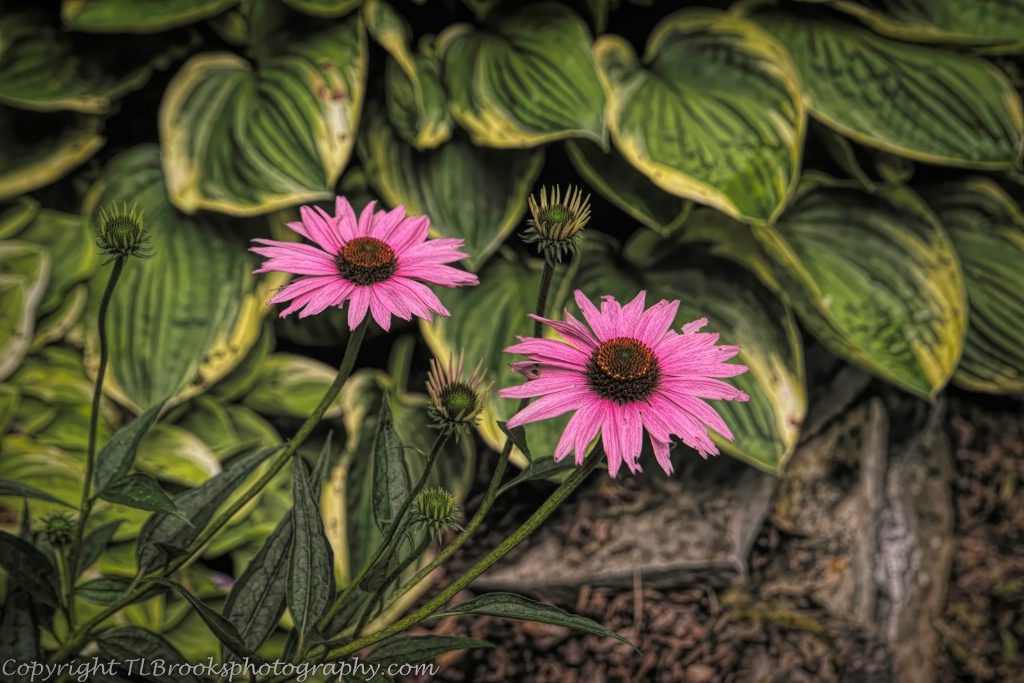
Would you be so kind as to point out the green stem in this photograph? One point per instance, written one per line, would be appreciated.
(435, 451)
(85, 507)
(536, 519)
(378, 595)
(542, 298)
(81, 634)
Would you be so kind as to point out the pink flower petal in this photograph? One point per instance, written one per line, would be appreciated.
(550, 380)
(551, 405)
(661, 454)
(573, 331)
(598, 324)
(446, 276)
(409, 233)
(322, 228)
(379, 310)
(385, 223)
(303, 285)
(365, 226)
(656, 322)
(699, 409)
(345, 219)
(581, 430)
(328, 296)
(358, 304)
(444, 250)
(704, 387)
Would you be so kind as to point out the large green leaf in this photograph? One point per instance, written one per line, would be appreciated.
(874, 277)
(16, 214)
(927, 104)
(713, 113)
(525, 78)
(73, 254)
(36, 150)
(24, 274)
(998, 24)
(291, 385)
(500, 304)
(469, 192)
(117, 16)
(744, 312)
(987, 229)
(629, 189)
(324, 8)
(43, 69)
(246, 140)
(182, 320)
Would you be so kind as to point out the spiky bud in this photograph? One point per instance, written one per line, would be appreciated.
(435, 510)
(456, 403)
(123, 233)
(59, 529)
(557, 226)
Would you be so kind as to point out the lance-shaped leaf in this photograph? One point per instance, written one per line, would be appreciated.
(126, 643)
(414, 649)
(246, 140)
(24, 274)
(142, 492)
(987, 229)
(219, 626)
(324, 8)
(998, 25)
(116, 458)
(390, 473)
(291, 385)
(43, 69)
(627, 188)
(876, 279)
(95, 543)
(35, 151)
(923, 103)
(525, 78)
(712, 114)
(29, 568)
(476, 194)
(743, 312)
(16, 488)
(115, 16)
(19, 626)
(311, 568)
(175, 330)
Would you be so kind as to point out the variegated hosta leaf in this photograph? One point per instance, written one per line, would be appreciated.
(36, 150)
(117, 16)
(489, 318)
(525, 78)
(182, 320)
(324, 8)
(923, 103)
(627, 188)
(24, 274)
(469, 192)
(744, 312)
(16, 214)
(73, 255)
(290, 385)
(42, 69)
(987, 229)
(712, 114)
(246, 140)
(876, 279)
(998, 24)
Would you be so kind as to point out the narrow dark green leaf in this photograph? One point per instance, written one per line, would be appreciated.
(198, 505)
(16, 488)
(518, 437)
(143, 492)
(221, 627)
(311, 570)
(323, 463)
(19, 627)
(116, 457)
(29, 568)
(512, 606)
(415, 649)
(131, 642)
(104, 591)
(94, 543)
(390, 472)
(542, 468)
(259, 596)
(349, 612)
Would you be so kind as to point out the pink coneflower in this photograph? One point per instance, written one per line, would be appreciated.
(628, 372)
(378, 263)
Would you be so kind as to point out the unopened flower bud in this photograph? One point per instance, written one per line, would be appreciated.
(557, 226)
(123, 233)
(436, 510)
(456, 403)
(59, 529)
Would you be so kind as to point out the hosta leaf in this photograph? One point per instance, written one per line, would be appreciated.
(969, 22)
(876, 279)
(987, 229)
(175, 330)
(24, 274)
(469, 192)
(310, 569)
(290, 385)
(116, 16)
(926, 104)
(73, 253)
(525, 78)
(37, 150)
(712, 114)
(43, 69)
(16, 214)
(627, 188)
(10, 399)
(16, 488)
(246, 140)
(324, 8)
(506, 295)
(176, 455)
(404, 649)
(744, 312)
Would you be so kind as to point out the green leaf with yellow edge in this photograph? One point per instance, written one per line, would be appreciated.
(36, 150)
(10, 397)
(44, 69)
(55, 326)
(507, 293)
(743, 311)
(875, 278)
(919, 102)
(996, 25)
(469, 192)
(290, 385)
(73, 253)
(627, 188)
(246, 140)
(182, 320)
(24, 274)
(713, 113)
(16, 214)
(525, 78)
(175, 455)
(324, 8)
(987, 229)
(117, 16)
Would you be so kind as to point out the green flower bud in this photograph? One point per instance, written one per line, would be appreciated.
(456, 403)
(59, 529)
(557, 227)
(436, 510)
(123, 234)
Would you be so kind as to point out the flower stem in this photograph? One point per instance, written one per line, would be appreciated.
(396, 525)
(90, 455)
(536, 519)
(378, 595)
(542, 298)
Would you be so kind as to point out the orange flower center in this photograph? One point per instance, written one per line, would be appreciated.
(623, 370)
(366, 261)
